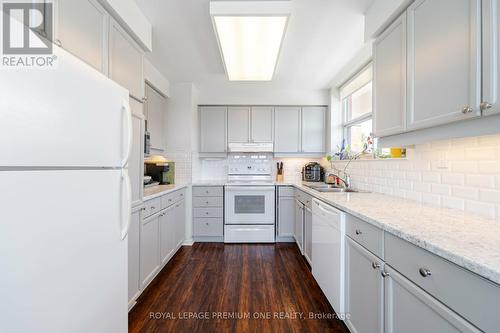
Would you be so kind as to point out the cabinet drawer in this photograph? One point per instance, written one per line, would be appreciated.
(369, 236)
(209, 227)
(171, 198)
(286, 191)
(207, 202)
(152, 206)
(303, 197)
(207, 191)
(471, 296)
(208, 212)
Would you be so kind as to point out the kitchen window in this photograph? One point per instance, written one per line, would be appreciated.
(356, 99)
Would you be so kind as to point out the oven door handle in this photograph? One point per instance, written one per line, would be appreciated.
(245, 188)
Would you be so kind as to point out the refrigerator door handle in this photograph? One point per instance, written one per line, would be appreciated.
(127, 114)
(126, 203)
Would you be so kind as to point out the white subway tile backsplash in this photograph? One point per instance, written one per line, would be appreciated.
(431, 177)
(452, 178)
(489, 167)
(497, 182)
(480, 208)
(480, 181)
(431, 199)
(497, 211)
(480, 153)
(465, 192)
(441, 189)
(421, 187)
(452, 202)
(464, 166)
(415, 196)
(490, 196)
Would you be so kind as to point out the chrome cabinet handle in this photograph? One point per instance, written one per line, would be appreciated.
(384, 274)
(425, 272)
(485, 106)
(358, 232)
(375, 265)
(467, 109)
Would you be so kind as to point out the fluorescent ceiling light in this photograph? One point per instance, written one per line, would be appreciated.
(250, 35)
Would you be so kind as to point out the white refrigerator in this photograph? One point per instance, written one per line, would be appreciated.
(65, 136)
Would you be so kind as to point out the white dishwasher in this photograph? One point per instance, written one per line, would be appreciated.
(328, 252)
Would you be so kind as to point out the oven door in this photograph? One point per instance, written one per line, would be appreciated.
(249, 204)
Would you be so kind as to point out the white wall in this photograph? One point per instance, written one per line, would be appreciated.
(249, 93)
(461, 174)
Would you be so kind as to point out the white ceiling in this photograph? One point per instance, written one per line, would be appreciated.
(322, 36)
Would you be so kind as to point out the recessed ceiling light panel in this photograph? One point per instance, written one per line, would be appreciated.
(250, 35)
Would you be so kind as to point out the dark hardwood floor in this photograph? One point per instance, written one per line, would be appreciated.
(257, 283)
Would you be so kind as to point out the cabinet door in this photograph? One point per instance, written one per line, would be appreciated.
(150, 249)
(313, 129)
(389, 77)
(286, 217)
(443, 62)
(287, 130)
(136, 161)
(308, 234)
(491, 57)
(213, 129)
(262, 124)
(180, 222)
(409, 309)
(364, 290)
(299, 225)
(155, 111)
(82, 27)
(125, 61)
(238, 124)
(167, 234)
(134, 283)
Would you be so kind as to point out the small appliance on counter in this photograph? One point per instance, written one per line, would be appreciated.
(160, 170)
(279, 172)
(147, 143)
(312, 172)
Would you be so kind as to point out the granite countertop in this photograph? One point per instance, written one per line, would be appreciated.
(159, 190)
(470, 241)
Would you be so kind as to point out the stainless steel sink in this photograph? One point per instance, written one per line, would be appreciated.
(325, 188)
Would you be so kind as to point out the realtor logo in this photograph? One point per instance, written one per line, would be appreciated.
(35, 19)
(27, 35)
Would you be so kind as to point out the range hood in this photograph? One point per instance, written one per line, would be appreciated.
(250, 147)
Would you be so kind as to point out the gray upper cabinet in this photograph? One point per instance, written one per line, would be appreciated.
(313, 131)
(287, 129)
(444, 62)
(491, 57)
(409, 309)
(213, 129)
(364, 290)
(125, 61)
(238, 124)
(155, 112)
(81, 28)
(261, 128)
(389, 76)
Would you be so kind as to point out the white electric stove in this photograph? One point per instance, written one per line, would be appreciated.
(249, 199)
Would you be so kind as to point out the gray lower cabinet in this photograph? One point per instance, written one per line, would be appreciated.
(299, 225)
(150, 248)
(167, 236)
(134, 287)
(208, 213)
(286, 214)
(308, 234)
(364, 290)
(180, 223)
(410, 309)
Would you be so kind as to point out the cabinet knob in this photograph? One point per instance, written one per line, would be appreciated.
(206, 213)
(425, 272)
(169, 199)
(206, 223)
(143, 208)
(358, 232)
(485, 106)
(467, 109)
(375, 265)
(58, 42)
(153, 207)
(384, 274)
(207, 202)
